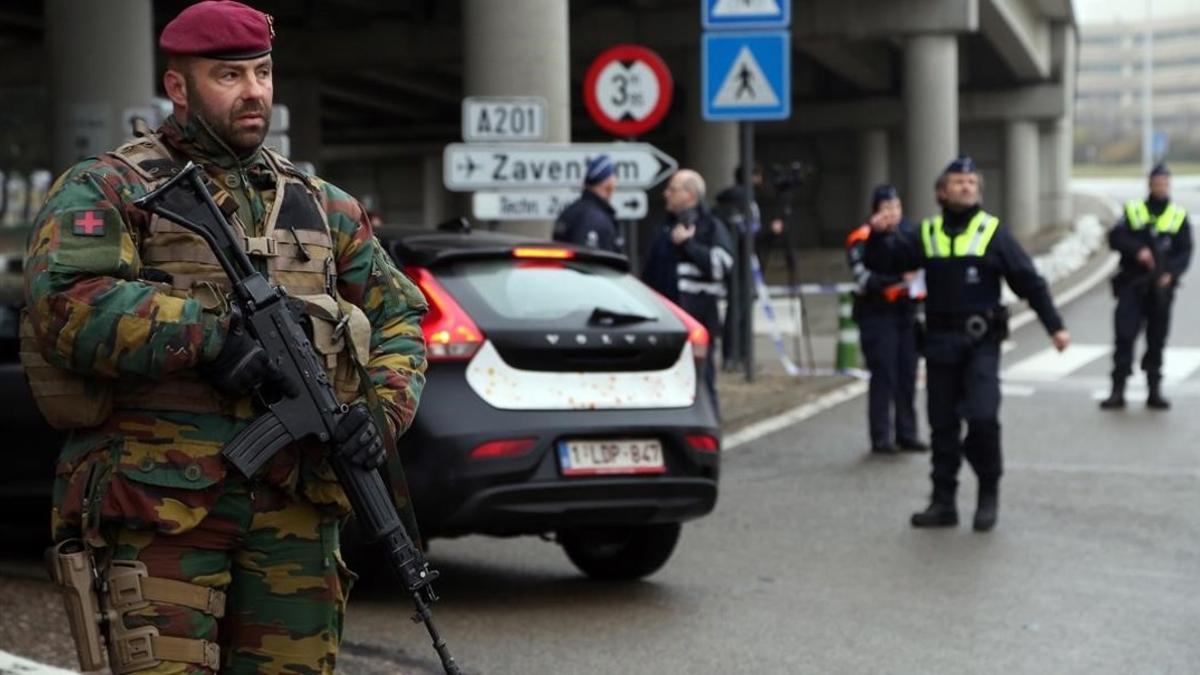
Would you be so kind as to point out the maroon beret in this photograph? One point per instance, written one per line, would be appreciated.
(219, 29)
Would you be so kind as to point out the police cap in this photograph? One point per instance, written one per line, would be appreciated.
(599, 168)
(883, 193)
(1160, 169)
(219, 29)
(961, 164)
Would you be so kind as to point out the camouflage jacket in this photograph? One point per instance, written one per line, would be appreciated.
(95, 314)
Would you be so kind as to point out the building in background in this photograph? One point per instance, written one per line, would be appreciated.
(1108, 108)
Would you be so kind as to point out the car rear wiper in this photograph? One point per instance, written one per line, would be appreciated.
(607, 317)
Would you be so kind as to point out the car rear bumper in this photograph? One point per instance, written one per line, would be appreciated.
(528, 494)
(518, 509)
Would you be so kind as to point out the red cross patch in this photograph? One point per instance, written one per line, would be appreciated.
(89, 224)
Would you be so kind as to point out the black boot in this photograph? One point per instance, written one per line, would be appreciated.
(1155, 400)
(940, 513)
(1115, 400)
(986, 510)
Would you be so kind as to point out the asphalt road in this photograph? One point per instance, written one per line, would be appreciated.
(808, 564)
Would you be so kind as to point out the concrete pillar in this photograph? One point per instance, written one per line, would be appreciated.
(1021, 212)
(873, 162)
(521, 48)
(931, 115)
(302, 96)
(1058, 143)
(712, 147)
(101, 63)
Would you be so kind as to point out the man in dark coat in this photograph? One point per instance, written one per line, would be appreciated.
(591, 220)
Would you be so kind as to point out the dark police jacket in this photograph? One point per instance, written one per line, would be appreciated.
(1160, 225)
(965, 255)
(877, 291)
(692, 274)
(590, 221)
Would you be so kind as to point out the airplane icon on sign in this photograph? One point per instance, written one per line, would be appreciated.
(468, 166)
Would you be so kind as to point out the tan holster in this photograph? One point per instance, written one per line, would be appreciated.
(73, 570)
(127, 587)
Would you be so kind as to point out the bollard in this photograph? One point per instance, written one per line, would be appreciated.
(847, 341)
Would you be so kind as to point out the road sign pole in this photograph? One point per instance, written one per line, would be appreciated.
(747, 273)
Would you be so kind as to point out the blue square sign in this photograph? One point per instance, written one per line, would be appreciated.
(735, 14)
(746, 76)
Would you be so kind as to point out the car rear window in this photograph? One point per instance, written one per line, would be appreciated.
(544, 291)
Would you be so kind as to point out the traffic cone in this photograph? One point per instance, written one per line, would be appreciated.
(847, 337)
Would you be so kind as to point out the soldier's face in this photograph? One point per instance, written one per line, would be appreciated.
(1160, 187)
(962, 190)
(234, 98)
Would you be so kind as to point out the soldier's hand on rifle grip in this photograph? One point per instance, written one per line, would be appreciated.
(357, 439)
(242, 364)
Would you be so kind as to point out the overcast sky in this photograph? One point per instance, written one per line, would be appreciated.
(1109, 11)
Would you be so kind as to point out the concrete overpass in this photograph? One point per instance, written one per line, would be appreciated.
(884, 90)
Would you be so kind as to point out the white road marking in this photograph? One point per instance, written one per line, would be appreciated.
(11, 664)
(800, 413)
(1022, 390)
(1050, 364)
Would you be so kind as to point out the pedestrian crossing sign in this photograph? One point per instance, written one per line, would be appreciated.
(735, 14)
(746, 76)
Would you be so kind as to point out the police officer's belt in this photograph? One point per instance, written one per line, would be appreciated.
(977, 325)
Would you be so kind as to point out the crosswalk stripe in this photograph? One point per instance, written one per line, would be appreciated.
(1180, 362)
(1048, 364)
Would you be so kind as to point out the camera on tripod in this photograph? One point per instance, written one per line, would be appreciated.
(785, 176)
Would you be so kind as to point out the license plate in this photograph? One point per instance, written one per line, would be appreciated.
(595, 458)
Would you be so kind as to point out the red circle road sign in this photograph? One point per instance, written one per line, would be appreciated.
(627, 90)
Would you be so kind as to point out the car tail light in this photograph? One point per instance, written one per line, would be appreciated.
(450, 334)
(703, 442)
(697, 333)
(510, 447)
(543, 253)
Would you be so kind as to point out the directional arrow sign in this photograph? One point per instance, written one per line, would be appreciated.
(506, 167)
(538, 205)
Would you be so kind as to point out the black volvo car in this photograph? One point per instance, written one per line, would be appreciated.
(563, 398)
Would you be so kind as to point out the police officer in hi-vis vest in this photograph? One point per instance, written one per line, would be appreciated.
(965, 252)
(133, 348)
(1154, 239)
(885, 311)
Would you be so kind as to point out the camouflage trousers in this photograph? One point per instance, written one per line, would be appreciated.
(279, 563)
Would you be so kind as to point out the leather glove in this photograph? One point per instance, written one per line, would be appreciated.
(242, 365)
(357, 439)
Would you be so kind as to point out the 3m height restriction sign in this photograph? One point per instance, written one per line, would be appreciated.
(746, 75)
(718, 14)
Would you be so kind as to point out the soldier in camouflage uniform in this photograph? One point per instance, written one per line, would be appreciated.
(153, 372)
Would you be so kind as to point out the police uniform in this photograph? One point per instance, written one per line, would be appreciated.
(590, 220)
(885, 311)
(965, 255)
(126, 331)
(1163, 227)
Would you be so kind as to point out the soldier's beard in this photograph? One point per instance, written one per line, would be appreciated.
(242, 141)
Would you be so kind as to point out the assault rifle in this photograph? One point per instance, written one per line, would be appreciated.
(315, 412)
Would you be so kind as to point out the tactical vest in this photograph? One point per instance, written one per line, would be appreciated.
(296, 252)
(1168, 222)
(958, 278)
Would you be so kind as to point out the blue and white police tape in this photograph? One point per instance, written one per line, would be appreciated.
(764, 296)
